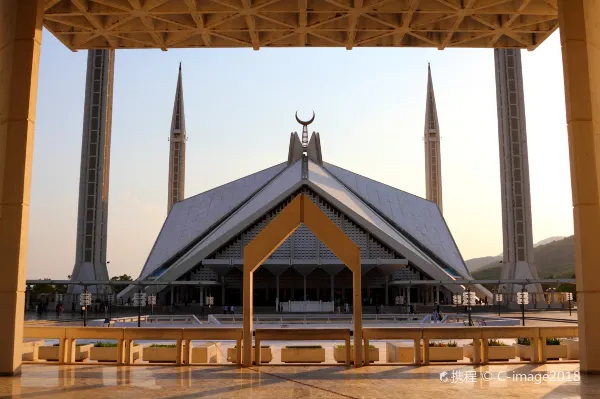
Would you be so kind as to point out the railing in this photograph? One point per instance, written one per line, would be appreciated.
(421, 336)
(67, 338)
(319, 318)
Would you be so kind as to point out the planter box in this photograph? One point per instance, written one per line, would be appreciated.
(572, 348)
(52, 353)
(339, 355)
(31, 350)
(553, 352)
(206, 353)
(443, 354)
(495, 353)
(266, 355)
(109, 354)
(159, 355)
(302, 355)
(396, 353)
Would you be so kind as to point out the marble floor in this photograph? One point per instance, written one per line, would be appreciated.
(278, 382)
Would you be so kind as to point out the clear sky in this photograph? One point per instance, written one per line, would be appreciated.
(240, 104)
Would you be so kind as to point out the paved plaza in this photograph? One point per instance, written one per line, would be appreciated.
(561, 381)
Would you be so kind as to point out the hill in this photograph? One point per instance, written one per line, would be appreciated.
(554, 260)
(479, 263)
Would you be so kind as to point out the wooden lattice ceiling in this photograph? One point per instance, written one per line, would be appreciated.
(84, 24)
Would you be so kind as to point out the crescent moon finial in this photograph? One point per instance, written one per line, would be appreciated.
(307, 122)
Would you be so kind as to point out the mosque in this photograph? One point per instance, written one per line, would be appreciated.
(401, 236)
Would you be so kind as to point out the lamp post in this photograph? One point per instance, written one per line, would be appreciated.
(498, 301)
(139, 300)
(85, 300)
(152, 302)
(469, 300)
(569, 298)
(210, 301)
(523, 299)
(457, 299)
(111, 298)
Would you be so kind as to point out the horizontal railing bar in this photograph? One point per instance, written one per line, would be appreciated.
(394, 282)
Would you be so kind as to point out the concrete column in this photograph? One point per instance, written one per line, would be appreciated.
(305, 288)
(386, 300)
(201, 296)
(580, 39)
(408, 295)
(223, 292)
(172, 296)
(437, 294)
(332, 290)
(277, 289)
(20, 41)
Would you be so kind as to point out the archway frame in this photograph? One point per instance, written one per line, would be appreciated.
(301, 210)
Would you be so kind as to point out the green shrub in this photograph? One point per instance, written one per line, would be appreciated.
(100, 344)
(105, 345)
(524, 341)
(451, 344)
(77, 344)
(495, 342)
(304, 347)
(553, 341)
(163, 346)
(351, 346)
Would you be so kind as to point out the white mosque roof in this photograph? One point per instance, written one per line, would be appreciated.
(420, 218)
(194, 216)
(412, 226)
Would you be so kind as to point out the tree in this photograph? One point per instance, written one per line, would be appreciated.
(119, 288)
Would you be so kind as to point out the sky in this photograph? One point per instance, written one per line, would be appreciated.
(239, 108)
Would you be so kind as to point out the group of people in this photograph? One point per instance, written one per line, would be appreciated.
(228, 309)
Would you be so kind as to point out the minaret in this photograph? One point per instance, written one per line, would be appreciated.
(518, 260)
(177, 148)
(92, 217)
(433, 161)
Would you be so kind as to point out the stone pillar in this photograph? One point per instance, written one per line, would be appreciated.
(305, 288)
(277, 290)
(332, 290)
(386, 300)
(580, 39)
(20, 41)
(437, 294)
(222, 290)
(172, 296)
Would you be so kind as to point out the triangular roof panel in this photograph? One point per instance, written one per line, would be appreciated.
(192, 217)
(269, 196)
(420, 218)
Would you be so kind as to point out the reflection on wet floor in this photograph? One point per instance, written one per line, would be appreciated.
(444, 380)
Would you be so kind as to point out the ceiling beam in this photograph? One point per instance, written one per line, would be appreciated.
(83, 7)
(249, 13)
(466, 11)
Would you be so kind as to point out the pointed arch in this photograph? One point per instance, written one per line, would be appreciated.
(301, 210)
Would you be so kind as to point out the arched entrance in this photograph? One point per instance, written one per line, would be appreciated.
(301, 210)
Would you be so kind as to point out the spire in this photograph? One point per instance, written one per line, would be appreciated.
(178, 121)
(433, 168)
(177, 140)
